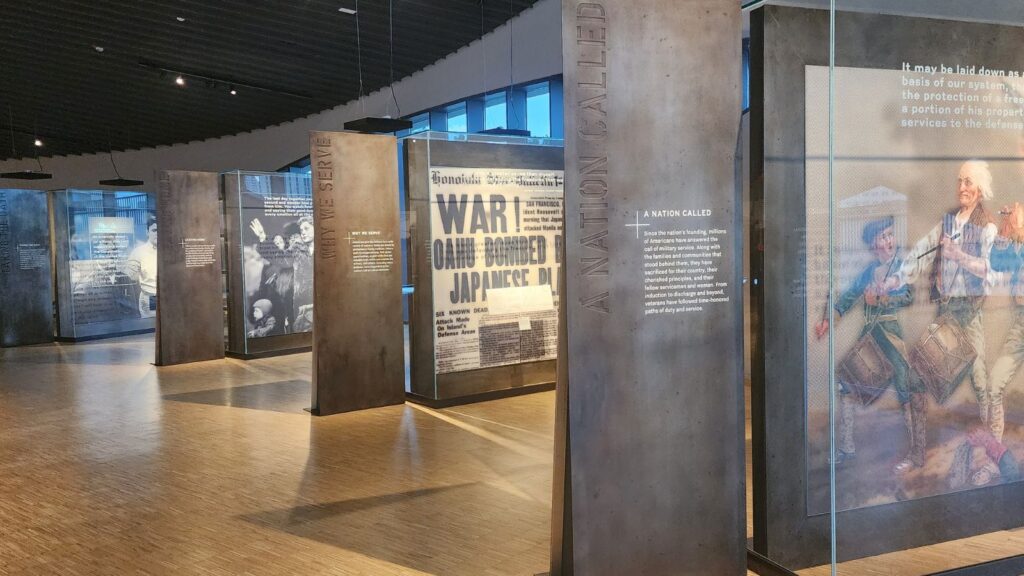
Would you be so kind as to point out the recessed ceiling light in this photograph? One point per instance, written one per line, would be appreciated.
(233, 92)
(346, 10)
(38, 142)
(179, 18)
(179, 81)
(98, 48)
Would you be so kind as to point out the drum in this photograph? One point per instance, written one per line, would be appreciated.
(942, 357)
(865, 371)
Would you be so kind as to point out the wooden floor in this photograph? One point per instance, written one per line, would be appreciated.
(109, 465)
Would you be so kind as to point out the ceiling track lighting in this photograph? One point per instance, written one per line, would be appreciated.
(181, 76)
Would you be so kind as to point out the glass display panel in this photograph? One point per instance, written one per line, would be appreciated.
(484, 258)
(791, 461)
(272, 236)
(914, 180)
(111, 266)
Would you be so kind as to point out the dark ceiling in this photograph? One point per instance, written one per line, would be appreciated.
(285, 59)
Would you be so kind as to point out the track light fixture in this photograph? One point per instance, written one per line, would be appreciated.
(184, 78)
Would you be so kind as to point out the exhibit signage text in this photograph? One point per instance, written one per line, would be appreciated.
(592, 152)
(326, 230)
(5, 235)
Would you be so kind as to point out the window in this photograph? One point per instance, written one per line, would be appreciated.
(457, 117)
(538, 110)
(420, 123)
(495, 111)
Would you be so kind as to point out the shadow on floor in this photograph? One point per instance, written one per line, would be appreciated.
(299, 515)
(439, 530)
(291, 396)
(84, 354)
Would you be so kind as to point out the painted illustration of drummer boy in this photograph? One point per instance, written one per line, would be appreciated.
(960, 272)
(882, 301)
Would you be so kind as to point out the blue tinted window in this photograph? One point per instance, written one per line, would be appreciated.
(457, 118)
(495, 111)
(420, 123)
(538, 110)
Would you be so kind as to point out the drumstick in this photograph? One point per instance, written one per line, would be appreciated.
(888, 272)
(953, 237)
(891, 264)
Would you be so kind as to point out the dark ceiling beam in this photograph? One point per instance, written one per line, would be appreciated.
(205, 46)
(176, 107)
(424, 29)
(368, 59)
(59, 85)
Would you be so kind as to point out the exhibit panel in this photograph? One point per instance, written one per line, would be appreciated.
(268, 227)
(358, 349)
(190, 313)
(485, 228)
(105, 254)
(26, 286)
(886, 425)
(649, 473)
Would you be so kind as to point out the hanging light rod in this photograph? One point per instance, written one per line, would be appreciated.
(22, 174)
(119, 181)
(235, 84)
(26, 175)
(372, 125)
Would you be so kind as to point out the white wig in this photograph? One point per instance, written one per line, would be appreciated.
(982, 177)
